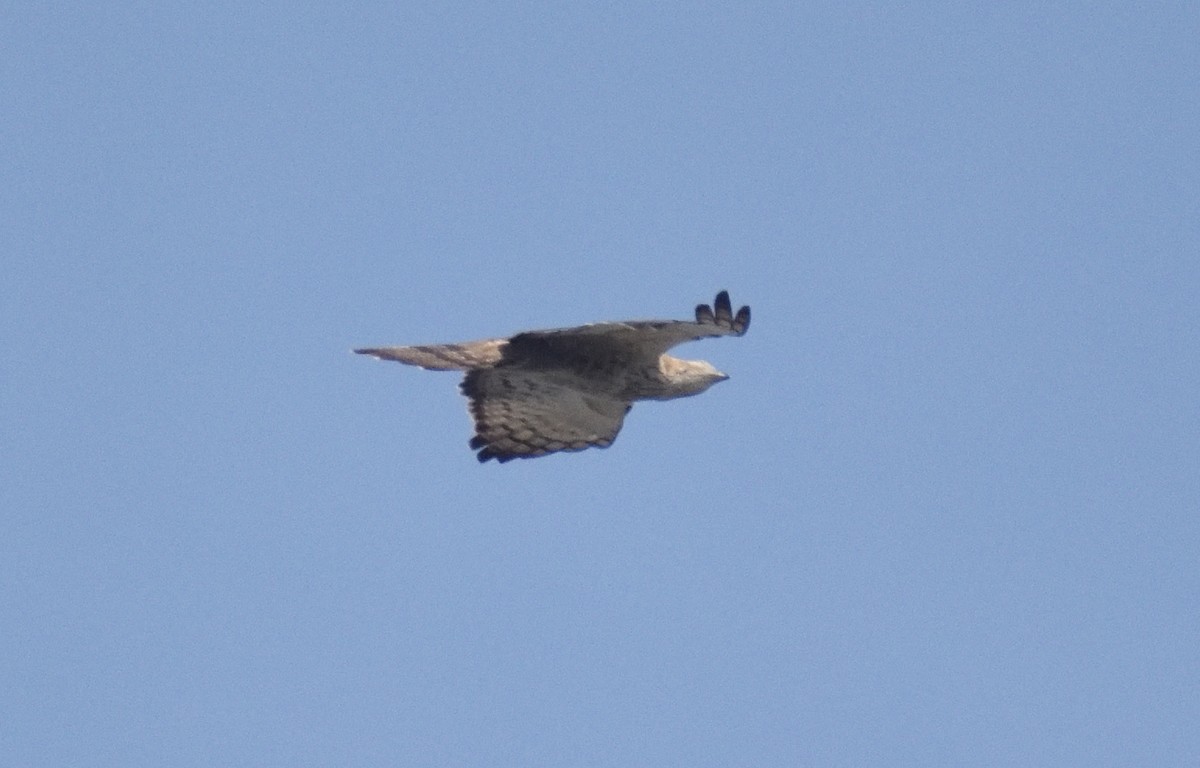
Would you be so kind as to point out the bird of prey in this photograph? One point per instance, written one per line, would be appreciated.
(568, 389)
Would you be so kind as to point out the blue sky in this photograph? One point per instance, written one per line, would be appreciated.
(943, 513)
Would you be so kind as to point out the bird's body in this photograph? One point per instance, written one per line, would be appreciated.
(568, 389)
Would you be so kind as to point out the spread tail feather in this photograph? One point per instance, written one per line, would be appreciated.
(443, 357)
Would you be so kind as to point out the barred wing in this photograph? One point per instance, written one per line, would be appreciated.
(522, 414)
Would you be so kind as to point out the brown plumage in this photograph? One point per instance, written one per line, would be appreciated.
(568, 389)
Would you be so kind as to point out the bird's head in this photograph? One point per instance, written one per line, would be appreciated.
(691, 377)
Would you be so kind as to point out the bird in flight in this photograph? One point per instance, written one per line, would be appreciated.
(568, 389)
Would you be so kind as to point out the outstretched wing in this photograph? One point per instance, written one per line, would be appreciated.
(644, 339)
(522, 414)
(444, 357)
(637, 338)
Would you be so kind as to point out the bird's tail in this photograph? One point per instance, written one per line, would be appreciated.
(444, 357)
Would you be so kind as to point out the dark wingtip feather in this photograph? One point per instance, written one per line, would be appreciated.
(741, 323)
(487, 454)
(721, 315)
(723, 309)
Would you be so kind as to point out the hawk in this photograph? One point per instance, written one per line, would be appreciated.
(568, 389)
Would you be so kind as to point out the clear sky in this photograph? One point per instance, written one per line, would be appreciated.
(946, 511)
